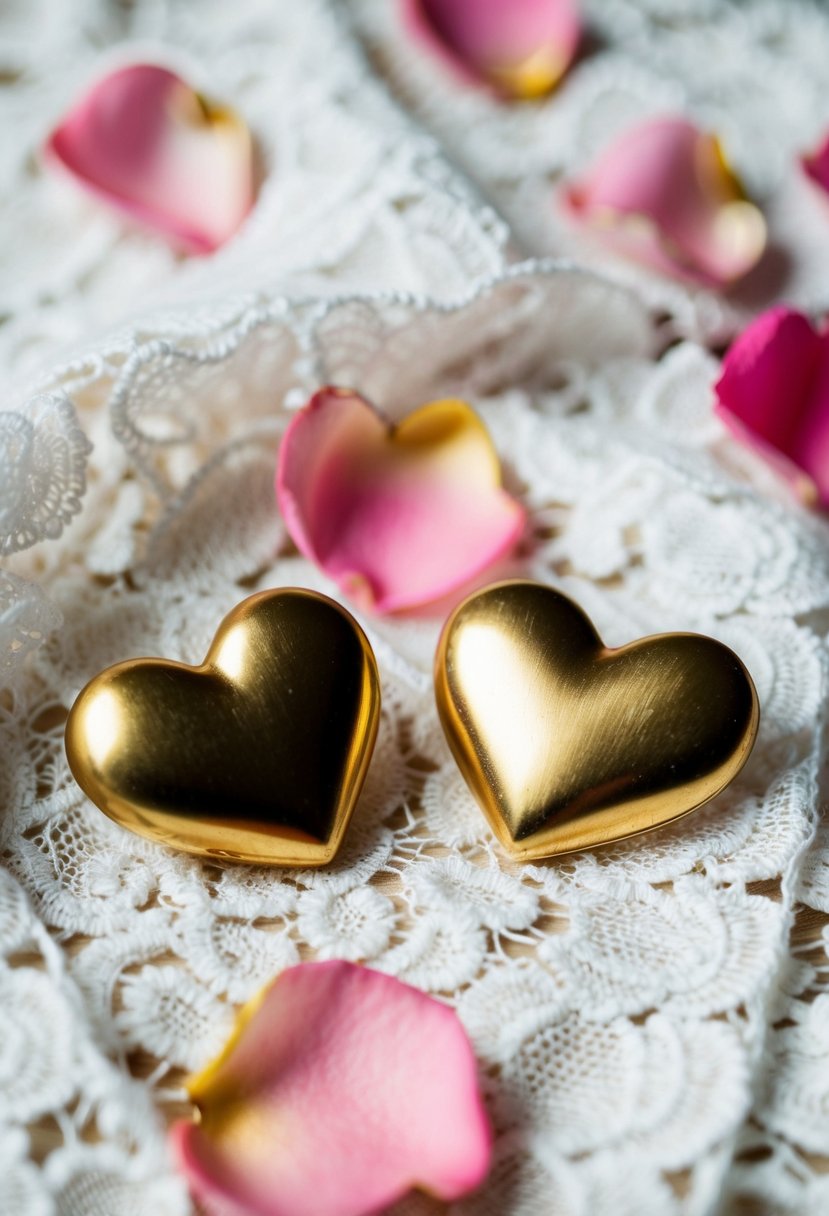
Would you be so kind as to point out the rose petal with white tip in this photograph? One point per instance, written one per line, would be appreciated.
(145, 142)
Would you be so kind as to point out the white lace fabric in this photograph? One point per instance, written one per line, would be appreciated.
(650, 1017)
(751, 70)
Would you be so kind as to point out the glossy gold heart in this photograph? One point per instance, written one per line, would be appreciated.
(566, 743)
(257, 755)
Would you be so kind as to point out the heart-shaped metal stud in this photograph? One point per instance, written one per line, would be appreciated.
(567, 744)
(257, 755)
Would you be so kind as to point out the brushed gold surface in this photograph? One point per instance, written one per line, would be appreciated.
(257, 755)
(567, 744)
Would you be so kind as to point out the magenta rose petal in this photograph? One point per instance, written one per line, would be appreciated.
(817, 165)
(774, 395)
(664, 194)
(398, 516)
(521, 48)
(146, 143)
(341, 1090)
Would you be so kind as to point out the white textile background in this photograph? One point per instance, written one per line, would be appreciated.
(651, 1018)
(751, 70)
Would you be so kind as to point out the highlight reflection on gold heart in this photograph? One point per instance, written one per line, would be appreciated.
(566, 743)
(257, 755)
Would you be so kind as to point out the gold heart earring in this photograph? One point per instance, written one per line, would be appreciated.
(567, 744)
(257, 755)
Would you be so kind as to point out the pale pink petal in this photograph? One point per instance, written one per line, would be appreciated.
(341, 1090)
(663, 193)
(817, 165)
(774, 394)
(397, 516)
(520, 47)
(145, 142)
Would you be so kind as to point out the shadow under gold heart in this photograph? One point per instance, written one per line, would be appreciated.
(567, 744)
(257, 755)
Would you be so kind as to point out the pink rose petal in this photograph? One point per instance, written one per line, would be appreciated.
(520, 47)
(817, 165)
(664, 194)
(146, 143)
(341, 1089)
(774, 394)
(397, 516)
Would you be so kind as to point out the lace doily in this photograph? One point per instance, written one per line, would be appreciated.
(751, 70)
(651, 1017)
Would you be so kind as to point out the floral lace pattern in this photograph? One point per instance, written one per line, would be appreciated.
(619, 1000)
(650, 1017)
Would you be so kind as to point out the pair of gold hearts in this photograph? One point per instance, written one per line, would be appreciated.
(260, 753)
